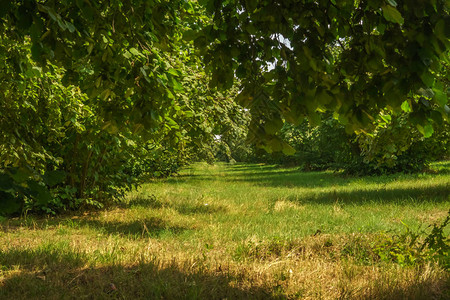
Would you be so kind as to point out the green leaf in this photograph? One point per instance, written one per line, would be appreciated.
(437, 117)
(323, 97)
(171, 122)
(275, 145)
(190, 35)
(36, 29)
(392, 14)
(25, 17)
(188, 114)
(70, 27)
(388, 118)
(34, 72)
(39, 192)
(392, 2)
(135, 52)
(20, 175)
(441, 30)
(6, 182)
(288, 149)
(127, 55)
(52, 178)
(174, 72)
(428, 130)
(427, 78)
(406, 107)
(200, 42)
(208, 4)
(273, 126)
(314, 118)
(112, 129)
(440, 96)
(250, 28)
(175, 84)
(8, 204)
(36, 51)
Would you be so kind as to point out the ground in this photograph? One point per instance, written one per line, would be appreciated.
(238, 231)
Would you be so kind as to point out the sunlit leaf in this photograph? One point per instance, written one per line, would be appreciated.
(391, 14)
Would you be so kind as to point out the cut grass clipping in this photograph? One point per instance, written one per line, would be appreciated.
(242, 232)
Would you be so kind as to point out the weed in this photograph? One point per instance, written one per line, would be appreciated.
(358, 249)
(438, 245)
(413, 247)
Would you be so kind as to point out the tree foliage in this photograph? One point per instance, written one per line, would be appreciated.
(86, 116)
(394, 146)
(355, 58)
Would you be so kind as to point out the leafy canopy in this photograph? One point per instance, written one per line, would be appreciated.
(351, 57)
(354, 58)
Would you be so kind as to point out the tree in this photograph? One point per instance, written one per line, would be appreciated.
(98, 96)
(354, 58)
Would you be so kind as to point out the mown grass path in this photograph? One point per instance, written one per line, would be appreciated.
(234, 231)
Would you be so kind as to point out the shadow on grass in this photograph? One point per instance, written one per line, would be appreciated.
(298, 178)
(274, 178)
(231, 171)
(277, 177)
(150, 227)
(292, 178)
(146, 202)
(51, 276)
(46, 256)
(251, 167)
(182, 208)
(435, 194)
(192, 209)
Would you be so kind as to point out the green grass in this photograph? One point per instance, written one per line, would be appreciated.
(234, 231)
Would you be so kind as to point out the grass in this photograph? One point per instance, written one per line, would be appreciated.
(236, 232)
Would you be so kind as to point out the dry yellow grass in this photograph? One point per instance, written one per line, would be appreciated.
(307, 269)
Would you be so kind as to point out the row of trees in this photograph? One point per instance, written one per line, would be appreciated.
(81, 129)
(395, 146)
(98, 95)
